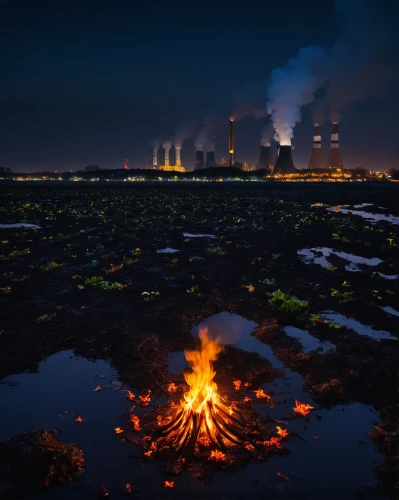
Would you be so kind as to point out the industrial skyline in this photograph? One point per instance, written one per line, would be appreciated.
(77, 98)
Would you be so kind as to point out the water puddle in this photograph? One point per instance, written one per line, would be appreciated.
(319, 256)
(168, 250)
(372, 217)
(389, 276)
(309, 343)
(190, 235)
(356, 326)
(25, 225)
(390, 310)
(314, 466)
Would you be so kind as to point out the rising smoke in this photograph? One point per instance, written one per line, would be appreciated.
(360, 62)
(167, 145)
(266, 134)
(183, 132)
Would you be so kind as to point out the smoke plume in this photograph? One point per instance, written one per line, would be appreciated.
(266, 134)
(183, 133)
(360, 62)
(167, 145)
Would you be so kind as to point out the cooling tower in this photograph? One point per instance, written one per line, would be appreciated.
(167, 148)
(284, 164)
(335, 160)
(317, 159)
(231, 144)
(210, 159)
(265, 159)
(178, 160)
(199, 160)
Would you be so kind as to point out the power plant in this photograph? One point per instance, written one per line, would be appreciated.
(284, 164)
(317, 159)
(335, 159)
(126, 164)
(231, 143)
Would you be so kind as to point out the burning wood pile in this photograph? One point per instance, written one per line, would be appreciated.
(204, 427)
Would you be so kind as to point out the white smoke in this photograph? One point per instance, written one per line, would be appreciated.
(266, 134)
(184, 132)
(167, 145)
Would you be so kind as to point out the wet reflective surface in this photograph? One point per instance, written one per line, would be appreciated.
(327, 460)
(309, 343)
(25, 225)
(168, 250)
(190, 235)
(372, 217)
(319, 256)
(356, 326)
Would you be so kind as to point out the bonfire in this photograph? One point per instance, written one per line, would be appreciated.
(203, 425)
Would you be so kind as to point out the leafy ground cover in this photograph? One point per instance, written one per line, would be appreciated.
(90, 279)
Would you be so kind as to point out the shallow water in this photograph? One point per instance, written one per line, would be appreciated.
(356, 326)
(372, 217)
(65, 383)
(309, 343)
(309, 255)
(190, 235)
(168, 250)
(390, 310)
(25, 225)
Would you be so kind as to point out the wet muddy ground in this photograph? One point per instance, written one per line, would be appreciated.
(114, 282)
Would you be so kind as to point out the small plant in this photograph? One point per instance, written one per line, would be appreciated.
(276, 256)
(267, 281)
(148, 296)
(50, 265)
(194, 289)
(342, 296)
(286, 303)
(215, 251)
(94, 282)
(16, 253)
(331, 268)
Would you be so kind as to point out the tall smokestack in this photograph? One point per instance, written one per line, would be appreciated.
(167, 145)
(126, 164)
(265, 159)
(178, 160)
(155, 156)
(317, 159)
(231, 143)
(199, 160)
(335, 159)
(284, 164)
(210, 159)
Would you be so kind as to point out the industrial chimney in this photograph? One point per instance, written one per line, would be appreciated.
(167, 146)
(178, 160)
(265, 159)
(335, 160)
(231, 143)
(210, 159)
(155, 156)
(284, 164)
(199, 160)
(317, 159)
(126, 164)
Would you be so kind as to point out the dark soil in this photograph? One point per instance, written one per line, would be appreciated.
(113, 233)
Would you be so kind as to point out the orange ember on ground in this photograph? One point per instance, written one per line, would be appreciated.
(247, 399)
(217, 455)
(144, 400)
(134, 419)
(118, 430)
(237, 384)
(281, 432)
(302, 408)
(130, 396)
(274, 441)
(261, 394)
(80, 420)
(286, 478)
(169, 484)
(98, 388)
(172, 387)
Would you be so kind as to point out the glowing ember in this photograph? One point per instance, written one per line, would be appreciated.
(172, 387)
(79, 420)
(169, 484)
(261, 394)
(218, 456)
(134, 419)
(302, 408)
(286, 478)
(202, 415)
(237, 384)
(281, 432)
(118, 430)
(130, 396)
(98, 388)
(274, 441)
(144, 400)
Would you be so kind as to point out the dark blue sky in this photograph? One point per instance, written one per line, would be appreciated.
(94, 84)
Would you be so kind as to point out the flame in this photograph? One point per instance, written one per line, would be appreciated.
(169, 484)
(144, 400)
(237, 384)
(130, 396)
(261, 394)
(274, 441)
(302, 408)
(281, 432)
(118, 430)
(202, 417)
(172, 387)
(80, 420)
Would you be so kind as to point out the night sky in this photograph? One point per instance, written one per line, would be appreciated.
(94, 82)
